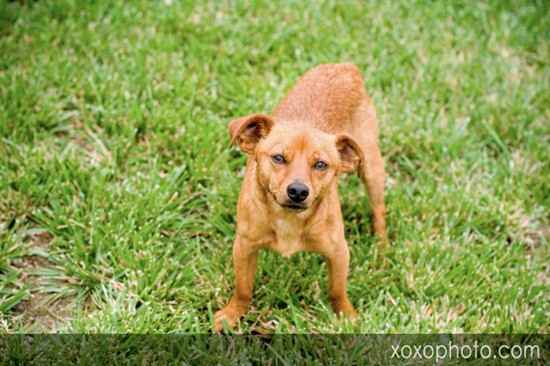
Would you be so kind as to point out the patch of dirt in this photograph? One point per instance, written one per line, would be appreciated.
(83, 141)
(535, 238)
(42, 311)
(539, 253)
(528, 229)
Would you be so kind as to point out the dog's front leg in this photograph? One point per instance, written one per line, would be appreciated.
(338, 264)
(244, 262)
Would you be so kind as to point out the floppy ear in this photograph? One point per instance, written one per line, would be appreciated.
(247, 131)
(351, 155)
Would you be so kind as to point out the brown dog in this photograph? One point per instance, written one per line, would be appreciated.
(289, 201)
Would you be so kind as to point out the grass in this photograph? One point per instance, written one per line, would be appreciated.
(118, 186)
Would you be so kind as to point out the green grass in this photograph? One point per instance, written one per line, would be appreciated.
(118, 186)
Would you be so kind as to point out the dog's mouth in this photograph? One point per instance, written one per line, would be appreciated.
(294, 206)
(291, 206)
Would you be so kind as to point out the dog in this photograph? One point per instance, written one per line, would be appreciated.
(325, 126)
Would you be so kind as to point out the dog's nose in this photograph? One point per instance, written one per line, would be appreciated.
(297, 192)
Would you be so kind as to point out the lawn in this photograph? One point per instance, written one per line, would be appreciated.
(118, 184)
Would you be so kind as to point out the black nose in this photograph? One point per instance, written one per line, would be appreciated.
(297, 192)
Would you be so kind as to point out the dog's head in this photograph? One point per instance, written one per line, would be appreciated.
(295, 164)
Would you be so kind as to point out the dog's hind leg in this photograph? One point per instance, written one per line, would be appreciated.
(364, 128)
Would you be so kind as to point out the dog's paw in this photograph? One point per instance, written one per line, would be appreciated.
(350, 313)
(225, 317)
(345, 309)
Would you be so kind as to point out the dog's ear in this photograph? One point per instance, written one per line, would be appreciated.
(351, 154)
(247, 131)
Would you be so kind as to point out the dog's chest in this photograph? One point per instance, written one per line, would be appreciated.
(288, 237)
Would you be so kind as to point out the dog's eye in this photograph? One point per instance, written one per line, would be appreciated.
(278, 159)
(320, 165)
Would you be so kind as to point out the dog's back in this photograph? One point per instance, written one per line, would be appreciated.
(325, 97)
